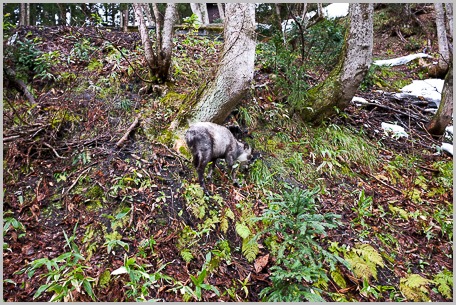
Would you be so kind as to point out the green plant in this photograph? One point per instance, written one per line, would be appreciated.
(65, 274)
(414, 288)
(141, 282)
(195, 199)
(363, 209)
(197, 285)
(11, 222)
(363, 260)
(444, 282)
(299, 270)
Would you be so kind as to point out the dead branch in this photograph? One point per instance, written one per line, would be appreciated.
(55, 152)
(18, 84)
(395, 110)
(129, 130)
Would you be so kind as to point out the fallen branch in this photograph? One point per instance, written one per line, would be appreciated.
(127, 133)
(18, 84)
(395, 110)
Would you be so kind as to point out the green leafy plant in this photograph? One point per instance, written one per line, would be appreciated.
(65, 275)
(444, 282)
(415, 288)
(363, 260)
(299, 270)
(142, 282)
(195, 289)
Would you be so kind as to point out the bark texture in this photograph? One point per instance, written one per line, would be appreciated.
(236, 67)
(442, 37)
(449, 17)
(200, 10)
(158, 57)
(444, 114)
(336, 92)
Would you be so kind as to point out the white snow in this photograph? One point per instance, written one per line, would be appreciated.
(447, 147)
(336, 10)
(449, 129)
(400, 60)
(428, 89)
(395, 130)
(357, 100)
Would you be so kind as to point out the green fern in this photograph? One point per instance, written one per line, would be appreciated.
(228, 214)
(242, 230)
(444, 283)
(250, 249)
(186, 255)
(364, 260)
(414, 288)
(194, 197)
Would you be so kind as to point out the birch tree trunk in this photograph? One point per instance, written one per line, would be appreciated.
(158, 58)
(336, 92)
(442, 37)
(234, 72)
(444, 114)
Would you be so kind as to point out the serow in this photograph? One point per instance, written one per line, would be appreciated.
(209, 142)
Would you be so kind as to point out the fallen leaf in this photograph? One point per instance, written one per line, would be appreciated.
(261, 262)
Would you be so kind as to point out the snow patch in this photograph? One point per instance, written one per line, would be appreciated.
(428, 89)
(400, 60)
(336, 10)
(447, 147)
(396, 131)
(332, 11)
(357, 100)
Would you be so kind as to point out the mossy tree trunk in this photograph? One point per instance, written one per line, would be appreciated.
(215, 101)
(334, 94)
(443, 116)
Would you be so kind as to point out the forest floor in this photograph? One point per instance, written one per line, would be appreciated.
(131, 211)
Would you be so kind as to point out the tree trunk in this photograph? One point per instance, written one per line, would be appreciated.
(200, 10)
(160, 60)
(221, 11)
(443, 116)
(442, 37)
(150, 20)
(234, 73)
(125, 19)
(164, 55)
(449, 17)
(338, 89)
(145, 40)
(23, 14)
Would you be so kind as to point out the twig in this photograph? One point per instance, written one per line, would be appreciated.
(395, 110)
(55, 152)
(125, 136)
(385, 184)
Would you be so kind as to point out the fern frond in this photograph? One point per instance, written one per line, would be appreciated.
(250, 249)
(242, 230)
(414, 288)
(444, 282)
(369, 254)
(364, 260)
(186, 255)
